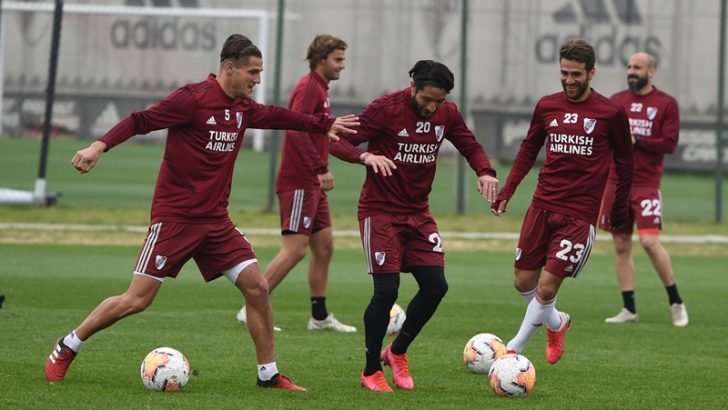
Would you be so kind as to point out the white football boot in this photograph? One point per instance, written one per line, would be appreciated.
(624, 316)
(679, 314)
(330, 323)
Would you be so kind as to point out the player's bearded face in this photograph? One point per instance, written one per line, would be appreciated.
(575, 80)
(427, 100)
(636, 82)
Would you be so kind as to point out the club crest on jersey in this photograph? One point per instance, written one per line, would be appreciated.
(439, 132)
(589, 125)
(306, 222)
(651, 113)
(518, 253)
(160, 261)
(380, 257)
(239, 118)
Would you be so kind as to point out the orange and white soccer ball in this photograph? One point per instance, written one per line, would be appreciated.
(481, 351)
(512, 375)
(165, 369)
(396, 320)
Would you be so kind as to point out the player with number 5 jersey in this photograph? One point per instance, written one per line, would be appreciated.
(398, 231)
(583, 132)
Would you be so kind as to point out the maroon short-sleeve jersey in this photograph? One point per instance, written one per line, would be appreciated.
(395, 130)
(581, 139)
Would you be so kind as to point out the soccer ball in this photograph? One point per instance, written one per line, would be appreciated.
(512, 375)
(481, 351)
(165, 369)
(396, 319)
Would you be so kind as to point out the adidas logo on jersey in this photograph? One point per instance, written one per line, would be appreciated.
(211, 121)
(569, 268)
(403, 133)
(554, 123)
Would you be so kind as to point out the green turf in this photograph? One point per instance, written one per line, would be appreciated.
(51, 288)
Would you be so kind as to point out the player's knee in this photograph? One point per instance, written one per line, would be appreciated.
(327, 249)
(256, 289)
(650, 243)
(622, 244)
(296, 253)
(386, 290)
(524, 283)
(135, 304)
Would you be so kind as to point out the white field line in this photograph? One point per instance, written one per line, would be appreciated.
(700, 239)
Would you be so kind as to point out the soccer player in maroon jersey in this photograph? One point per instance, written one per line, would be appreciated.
(582, 131)
(397, 229)
(655, 124)
(189, 216)
(302, 182)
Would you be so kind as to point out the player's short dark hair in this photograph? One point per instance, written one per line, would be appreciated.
(239, 48)
(320, 48)
(428, 72)
(578, 49)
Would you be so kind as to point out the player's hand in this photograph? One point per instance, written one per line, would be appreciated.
(326, 181)
(488, 187)
(343, 124)
(85, 159)
(499, 207)
(379, 163)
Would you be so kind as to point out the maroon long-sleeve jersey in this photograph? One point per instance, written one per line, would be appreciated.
(305, 156)
(654, 121)
(206, 129)
(581, 141)
(394, 129)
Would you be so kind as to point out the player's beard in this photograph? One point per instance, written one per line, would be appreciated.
(638, 85)
(419, 110)
(580, 91)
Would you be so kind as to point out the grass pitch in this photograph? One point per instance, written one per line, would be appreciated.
(51, 288)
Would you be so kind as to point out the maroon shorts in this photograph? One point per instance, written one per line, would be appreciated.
(645, 209)
(215, 247)
(559, 243)
(304, 211)
(397, 243)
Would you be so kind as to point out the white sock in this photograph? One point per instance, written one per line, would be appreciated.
(72, 341)
(266, 371)
(536, 314)
(554, 320)
(528, 295)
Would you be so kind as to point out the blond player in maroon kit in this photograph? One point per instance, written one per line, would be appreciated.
(397, 229)
(302, 182)
(189, 216)
(582, 131)
(655, 124)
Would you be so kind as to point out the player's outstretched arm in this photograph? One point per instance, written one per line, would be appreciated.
(488, 187)
(379, 163)
(85, 159)
(343, 124)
